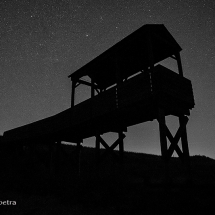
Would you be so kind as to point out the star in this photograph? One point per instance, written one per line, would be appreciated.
(101, 18)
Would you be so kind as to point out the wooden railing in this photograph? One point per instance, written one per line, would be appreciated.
(161, 86)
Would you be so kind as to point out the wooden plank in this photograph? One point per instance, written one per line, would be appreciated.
(162, 132)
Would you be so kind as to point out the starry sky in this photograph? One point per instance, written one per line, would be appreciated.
(44, 41)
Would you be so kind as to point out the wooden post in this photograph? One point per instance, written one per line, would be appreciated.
(121, 146)
(97, 148)
(150, 50)
(162, 128)
(184, 140)
(78, 158)
(119, 79)
(110, 150)
(185, 148)
(151, 60)
(92, 88)
(121, 153)
(58, 158)
(97, 156)
(178, 58)
(163, 141)
(73, 93)
(51, 163)
(181, 134)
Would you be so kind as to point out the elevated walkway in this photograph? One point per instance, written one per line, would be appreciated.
(128, 87)
(136, 101)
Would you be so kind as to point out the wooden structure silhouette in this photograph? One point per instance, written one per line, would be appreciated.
(128, 87)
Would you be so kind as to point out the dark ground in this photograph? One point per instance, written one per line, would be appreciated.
(140, 188)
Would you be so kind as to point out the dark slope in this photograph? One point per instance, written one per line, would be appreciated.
(139, 189)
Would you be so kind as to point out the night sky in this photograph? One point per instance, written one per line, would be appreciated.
(44, 41)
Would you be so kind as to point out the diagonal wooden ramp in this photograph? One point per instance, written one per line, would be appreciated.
(128, 87)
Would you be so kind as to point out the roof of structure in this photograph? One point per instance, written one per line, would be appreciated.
(146, 46)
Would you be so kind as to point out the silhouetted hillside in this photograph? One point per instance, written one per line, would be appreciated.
(108, 189)
(35, 164)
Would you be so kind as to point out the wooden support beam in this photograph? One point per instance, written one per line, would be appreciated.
(185, 148)
(162, 128)
(98, 91)
(119, 80)
(92, 88)
(97, 148)
(90, 84)
(182, 121)
(114, 145)
(78, 156)
(73, 93)
(110, 149)
(178, 58)
(164, 133)
(58, 157)
(180, 134)
(121, 149)
(121, 144)
(118, 74)
(51, 160)
(173, 57)
(163, 141)
(103, 143)
(174, 145)
(174, 141)
(84, 82)
(150, 50)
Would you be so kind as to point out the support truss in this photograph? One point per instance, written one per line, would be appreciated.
(110, 149)
(181, 134)
(174, 140)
